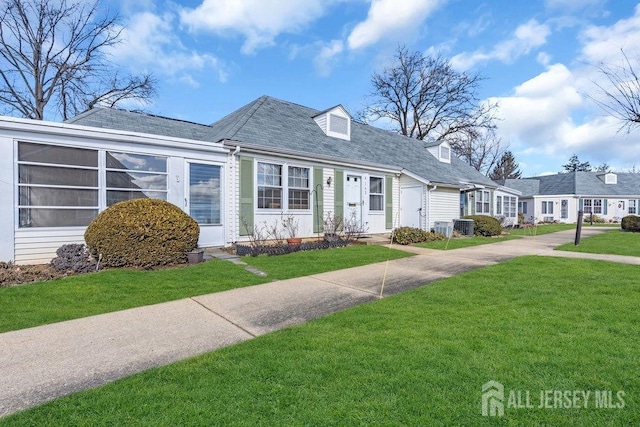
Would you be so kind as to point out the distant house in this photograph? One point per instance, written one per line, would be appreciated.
(268, 158)
(558, 198)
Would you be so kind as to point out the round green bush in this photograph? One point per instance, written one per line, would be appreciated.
(631, 223)
(409, 235)
(484, 225)
(142, 233)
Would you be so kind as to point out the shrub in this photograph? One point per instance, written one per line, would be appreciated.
(73, 257)
(631, 223)
(409, 235)
(142, 233)
(596, 219)
(484, 225)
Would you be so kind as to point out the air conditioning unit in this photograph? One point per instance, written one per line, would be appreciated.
(443, 227)
(463, 226)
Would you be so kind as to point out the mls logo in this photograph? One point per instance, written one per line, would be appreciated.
(492, 399)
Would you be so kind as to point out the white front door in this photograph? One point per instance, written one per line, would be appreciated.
(621, 208)
(353, 199)
(204, 201)
(411, 207)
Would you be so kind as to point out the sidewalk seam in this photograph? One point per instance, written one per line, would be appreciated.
(223, 317)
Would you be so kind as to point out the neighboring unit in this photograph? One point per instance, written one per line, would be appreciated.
(268, 159)
(558, 198)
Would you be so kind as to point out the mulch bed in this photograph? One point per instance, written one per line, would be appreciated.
(11, 274)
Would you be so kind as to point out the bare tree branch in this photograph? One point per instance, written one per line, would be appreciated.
(54, 51)
(622, 98)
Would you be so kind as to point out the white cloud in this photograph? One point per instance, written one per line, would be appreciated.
(572, 5)
(325, 59)
(150, 42)
(603, 44)
(525, 38)
(259, 21)
(389, 18)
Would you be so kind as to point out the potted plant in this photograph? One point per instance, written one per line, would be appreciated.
(290, 225)
(195, 256)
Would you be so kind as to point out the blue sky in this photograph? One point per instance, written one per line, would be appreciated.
(538, 57)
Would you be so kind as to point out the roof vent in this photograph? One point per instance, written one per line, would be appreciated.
(609, 178)
(335, 122)
(441, 151)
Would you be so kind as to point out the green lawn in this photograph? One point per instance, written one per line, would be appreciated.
(111, 290)
(419, 358)
(463, 242)
(612, 242)
(541, 229)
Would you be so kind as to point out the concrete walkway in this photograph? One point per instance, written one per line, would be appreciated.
(43, 363)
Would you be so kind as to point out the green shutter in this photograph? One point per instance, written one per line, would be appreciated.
(388, 202)
(605, 203)
(246, 196)
(318, 210)
(580, 204)
(338, 198)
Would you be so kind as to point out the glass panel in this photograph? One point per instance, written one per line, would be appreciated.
(40, 217)
(143, 181)
(269, 198)
(41, 153)
(298, 177)
(115, 196)
(138, 162)
(269, 174)
(29, 174)
(44, 196)
(376, 202)
(204, 193)
(375, 185)
(298, 199)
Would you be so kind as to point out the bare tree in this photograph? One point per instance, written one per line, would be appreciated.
(480, 150)
(426, 98)
(52, 53)
(622, 93)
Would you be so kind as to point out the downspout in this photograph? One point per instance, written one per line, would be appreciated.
(234, 195)
(429, 205)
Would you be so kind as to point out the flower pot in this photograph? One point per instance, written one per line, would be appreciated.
(195, 256)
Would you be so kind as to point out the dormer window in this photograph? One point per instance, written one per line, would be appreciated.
(445, 153)
(609, 178)
(335, 122)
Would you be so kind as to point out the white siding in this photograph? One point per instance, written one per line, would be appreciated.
(6, 200)
(328, 192)
(38, 246)
(445, 205)
(396, 202)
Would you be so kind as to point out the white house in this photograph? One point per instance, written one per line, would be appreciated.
(558, 198)
(267, 159)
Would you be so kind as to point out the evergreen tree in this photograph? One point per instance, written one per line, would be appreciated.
(506, 168)
(575, 165)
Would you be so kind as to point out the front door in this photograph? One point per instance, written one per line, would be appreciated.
(353, 199)
(621, 209)
(204, 201)
(411, 207)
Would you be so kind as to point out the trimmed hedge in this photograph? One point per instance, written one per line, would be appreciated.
(409, 235)
(631, 223)
(142, 233)
(484, 225)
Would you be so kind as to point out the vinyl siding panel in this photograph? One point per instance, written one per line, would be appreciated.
(445, 206)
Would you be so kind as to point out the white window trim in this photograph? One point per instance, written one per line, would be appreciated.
(284, 187)
(380, 211)
(484, 200)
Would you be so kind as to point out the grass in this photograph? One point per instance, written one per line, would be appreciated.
(614, 242)
(463, 242)
(552, 228)
(111, 290)
(419, 358)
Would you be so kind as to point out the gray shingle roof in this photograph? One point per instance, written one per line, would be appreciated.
(577, 183)
(284, 126)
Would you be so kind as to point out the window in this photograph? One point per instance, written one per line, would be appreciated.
(509, 206)
(269, 186)
(633, 207)
(445, 153)
(592, 206)
(483, 204)
(376, 194)
(522, 207)
(57, 186)
(298, 187)
(204, 193)
(547, 207)
(134, 176)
